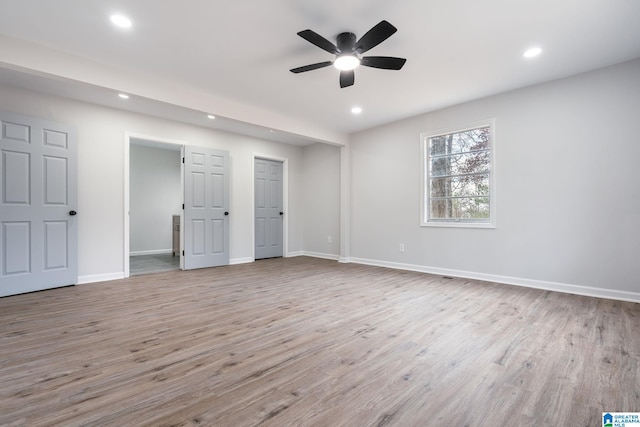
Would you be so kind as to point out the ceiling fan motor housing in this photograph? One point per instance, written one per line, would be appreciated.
(345, 42)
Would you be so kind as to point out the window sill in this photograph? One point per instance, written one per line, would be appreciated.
(458, 225)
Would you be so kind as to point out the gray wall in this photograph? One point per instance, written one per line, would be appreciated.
(155, 195)
(101, 162)
(568, 206)
(321, 200)
(567, 173)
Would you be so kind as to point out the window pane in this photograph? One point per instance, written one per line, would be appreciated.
(470, 185)
(466, 208)
(460, 142)
(441, 209)
(458, 175)
(458, 164)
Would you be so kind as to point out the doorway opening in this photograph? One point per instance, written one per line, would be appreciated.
(153, 205)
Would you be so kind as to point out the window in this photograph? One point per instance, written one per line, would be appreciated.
(458, 176)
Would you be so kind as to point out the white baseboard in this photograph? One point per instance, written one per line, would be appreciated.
(94, 278)
(153, 252)
(320, 255)
(517, 281)
(235, 261)
(289, 255)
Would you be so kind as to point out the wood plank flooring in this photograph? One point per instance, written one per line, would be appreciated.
(146, 264)
(309, 342)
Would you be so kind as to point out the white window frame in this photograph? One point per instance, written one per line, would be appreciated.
(424, 176)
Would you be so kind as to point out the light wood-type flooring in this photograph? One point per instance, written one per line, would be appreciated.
(146, 264)
(310, 342)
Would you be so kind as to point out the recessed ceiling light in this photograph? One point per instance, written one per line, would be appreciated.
(356, 110)
(120, 21)
(123, 95)
(211, 116)
(532, 52)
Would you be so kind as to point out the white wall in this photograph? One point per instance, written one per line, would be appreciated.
(101, 136)
(567, 199)
(155, 195)
(321, 200)
(38, 59)
(567, 174)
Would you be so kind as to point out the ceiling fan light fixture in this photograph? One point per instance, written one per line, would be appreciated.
(346, 62)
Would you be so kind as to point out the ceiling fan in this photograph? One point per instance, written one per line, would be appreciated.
(348, 52)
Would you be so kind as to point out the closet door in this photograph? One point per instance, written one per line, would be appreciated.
(268, 209)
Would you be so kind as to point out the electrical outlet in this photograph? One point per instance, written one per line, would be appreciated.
(329, 239)
(401, 247)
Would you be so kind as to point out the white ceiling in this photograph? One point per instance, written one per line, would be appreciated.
(239, 53)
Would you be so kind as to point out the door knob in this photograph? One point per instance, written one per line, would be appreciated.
(226, 213)
(281, 213)
(73, 213)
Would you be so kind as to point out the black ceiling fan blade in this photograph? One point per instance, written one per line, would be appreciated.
(347, 78)
(384, 62)
(311, 67)
(375, 36)
(316, 39)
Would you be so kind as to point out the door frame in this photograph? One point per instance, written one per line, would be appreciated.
(128, 136)
(285, 201)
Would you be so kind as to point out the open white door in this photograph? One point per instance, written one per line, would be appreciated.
(206, 207)
(39, 229)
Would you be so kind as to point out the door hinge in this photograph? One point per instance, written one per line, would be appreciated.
(182, 253)
(183, 206)
(183, 160)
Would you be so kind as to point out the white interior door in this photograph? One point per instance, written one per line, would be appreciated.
(206, 207)
(268, 208)
(38, 232)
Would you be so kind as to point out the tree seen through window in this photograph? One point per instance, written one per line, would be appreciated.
(459, 176)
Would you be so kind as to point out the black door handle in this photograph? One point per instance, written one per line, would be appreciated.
(73, 213)
(281, 213)
(226, 213)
